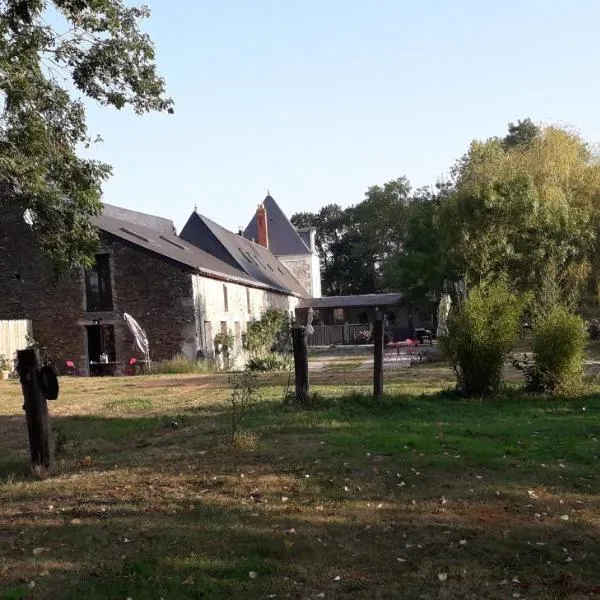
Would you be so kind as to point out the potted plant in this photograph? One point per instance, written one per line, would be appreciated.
(4, 367)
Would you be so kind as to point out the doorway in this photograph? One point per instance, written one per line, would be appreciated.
(101, 349)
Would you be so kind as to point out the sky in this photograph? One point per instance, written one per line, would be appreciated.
(317, 100)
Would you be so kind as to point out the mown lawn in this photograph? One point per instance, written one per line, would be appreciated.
(422, 496)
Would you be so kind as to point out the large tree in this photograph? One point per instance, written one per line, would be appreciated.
(52, 54)
(521, 208)
(355, 243)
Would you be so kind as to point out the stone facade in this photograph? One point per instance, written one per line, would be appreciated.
(301, 268)
(180, 310)
(244, 304)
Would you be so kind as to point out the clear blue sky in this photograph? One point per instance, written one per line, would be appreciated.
(316, 100)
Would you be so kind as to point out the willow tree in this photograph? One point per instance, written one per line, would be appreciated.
(53, 54)
(525, 210)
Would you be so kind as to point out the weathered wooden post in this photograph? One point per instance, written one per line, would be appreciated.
(36, 410)
(301, 363)
(378, 355)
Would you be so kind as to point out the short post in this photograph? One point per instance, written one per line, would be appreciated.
(36, 410)
(301, 364)
(378, 355)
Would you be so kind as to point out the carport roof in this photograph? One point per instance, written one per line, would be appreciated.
(351, 301)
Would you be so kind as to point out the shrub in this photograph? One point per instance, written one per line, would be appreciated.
(559, 352)
(481, 332)
(180, 365)
(269, 333)
(270, 362)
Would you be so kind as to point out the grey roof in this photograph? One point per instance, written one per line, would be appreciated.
(283, 237)
(172, 247)
(165, 226)
(239, 252)
(351, 301)
(304, 235)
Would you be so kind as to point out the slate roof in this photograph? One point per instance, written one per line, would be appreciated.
(164, 226)
(238, 252)
(172, 247)
(283, 237)
(351, 301)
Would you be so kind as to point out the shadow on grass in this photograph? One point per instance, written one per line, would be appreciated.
(212, 550)
(177, 520)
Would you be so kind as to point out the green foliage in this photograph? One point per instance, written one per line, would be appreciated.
(521, 134)
(180, 365)
(481, 332)
(269, 332)
(224, 343)
(421, 268)
(99, 51)
(244, 393)
(355, 243)
(559, 352)
(522, 204)
(270, 362)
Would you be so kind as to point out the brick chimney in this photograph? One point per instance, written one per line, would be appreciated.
(261, 226)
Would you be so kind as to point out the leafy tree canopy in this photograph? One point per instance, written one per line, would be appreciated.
(52, 53)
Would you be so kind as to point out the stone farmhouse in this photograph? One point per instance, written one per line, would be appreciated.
(182, 289)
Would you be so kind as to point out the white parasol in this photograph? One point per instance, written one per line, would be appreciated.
(141, 339)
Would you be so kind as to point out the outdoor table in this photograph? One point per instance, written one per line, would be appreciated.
(102, 368)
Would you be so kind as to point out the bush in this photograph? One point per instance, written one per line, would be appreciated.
(269, 333)
(481, 333)
(559, 352)
(270, 362)
(180, 365)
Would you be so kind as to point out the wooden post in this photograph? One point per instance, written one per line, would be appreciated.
(301, 364)
(378, 355)
(36, 410)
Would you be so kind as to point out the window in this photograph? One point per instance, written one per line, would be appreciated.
(208, 335)
(338, 315)
(237, 328)
(225, 299)
(98, 291)
(248, 304)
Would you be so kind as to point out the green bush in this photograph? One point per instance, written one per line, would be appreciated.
(481, 332)
(269, 333)
(559, 352)
(270, 362)
(180, 365)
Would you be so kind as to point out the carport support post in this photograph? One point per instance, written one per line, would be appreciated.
(301, 364)
(378, 355)
(36, 410)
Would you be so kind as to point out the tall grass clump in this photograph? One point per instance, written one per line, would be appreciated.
(481, 333)
(182, 365)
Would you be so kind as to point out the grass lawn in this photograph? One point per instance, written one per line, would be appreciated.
(423, 496)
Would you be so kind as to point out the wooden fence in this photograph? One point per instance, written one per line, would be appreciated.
(13, 337)
(328, 335)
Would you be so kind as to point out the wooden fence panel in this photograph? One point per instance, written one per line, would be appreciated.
(13, 337)
(329, 335)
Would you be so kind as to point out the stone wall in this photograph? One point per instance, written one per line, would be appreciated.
(27, 290)
(243, 304)
(157, 293)
(154, 290)
(300, 266)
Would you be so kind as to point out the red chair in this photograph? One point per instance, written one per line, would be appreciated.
(71, 368)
